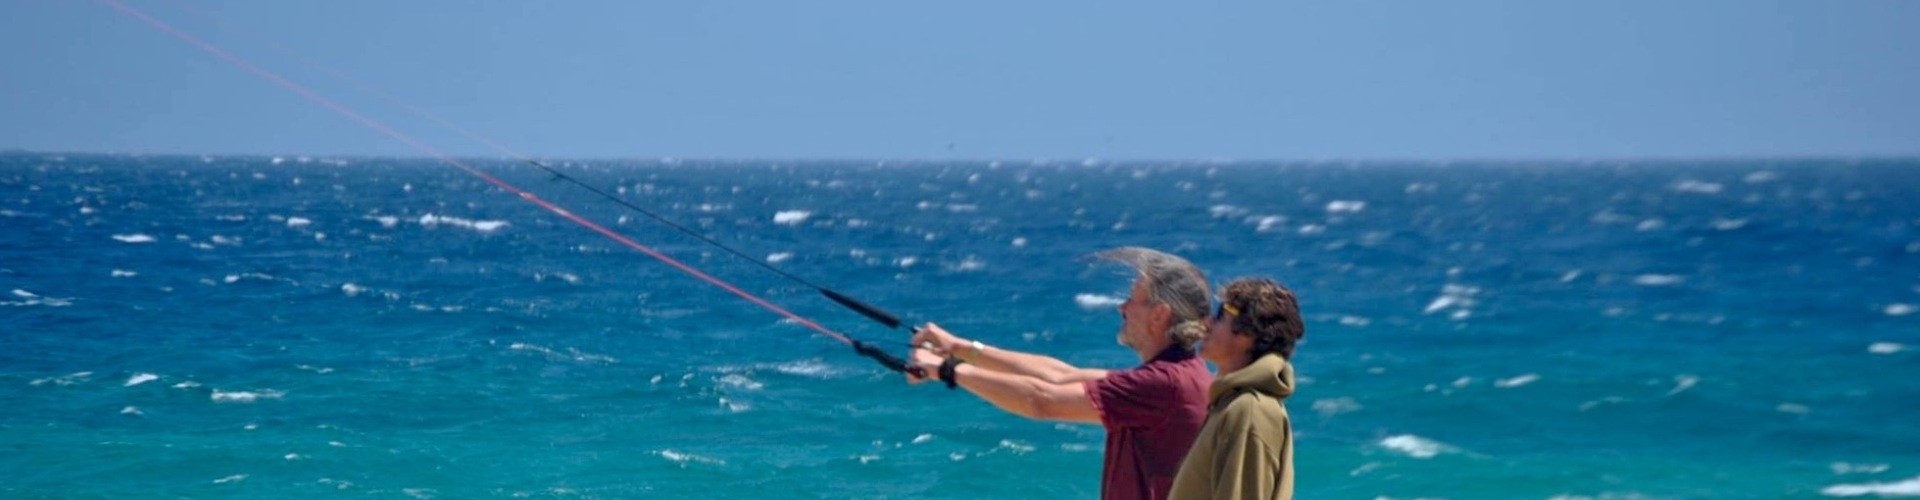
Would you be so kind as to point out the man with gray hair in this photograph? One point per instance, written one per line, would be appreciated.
(1151, 412)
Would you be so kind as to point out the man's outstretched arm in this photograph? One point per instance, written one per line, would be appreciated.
(1044, 368)
(1021, 395)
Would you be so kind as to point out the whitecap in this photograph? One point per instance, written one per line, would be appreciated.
(220, 396)
(1570, 276)
(1761, 177)
(1697, 187)
(812, 368)
(970, 264)
(122, 273)
(1886, 348)
(1017, 447)
(68, 379)
(299, 222)
(1683, 382)
(1225, 211)
(1658, 279)
(1794, 408)
(1729, 224)
(1336, 406)
(1413, 446)
(922, 438)
(33, 299)
(1441, 302)
(141, 378)
(1312, 229)
(1345, 206)
(1096, 301)
(235, 477)
(1650, 225)
(791, 217)
(1019, 242)
(741, 381)
(1843, 468)
(1355, 321)
(1508, 383)
(486, 226)
(133, 238)
(1907, 488)
(352, 289)
(776, 258)
(186, 385)
(387, 221)
(1268, 222)
(131, 410)
(905, 262)
(685, 458)
(1899, 309)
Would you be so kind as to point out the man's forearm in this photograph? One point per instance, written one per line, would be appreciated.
(1045, 368)
(1027, 396)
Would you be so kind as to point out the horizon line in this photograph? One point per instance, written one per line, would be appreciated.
(1037, 160)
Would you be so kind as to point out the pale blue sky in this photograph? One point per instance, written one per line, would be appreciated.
(981, 79)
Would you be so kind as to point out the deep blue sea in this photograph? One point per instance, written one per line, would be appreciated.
(260, 327)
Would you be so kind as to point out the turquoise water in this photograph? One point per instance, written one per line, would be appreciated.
(266, 327)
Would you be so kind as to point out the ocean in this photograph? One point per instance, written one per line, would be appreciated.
(268, 327)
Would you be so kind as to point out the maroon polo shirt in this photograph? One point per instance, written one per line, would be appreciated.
(1152, 413)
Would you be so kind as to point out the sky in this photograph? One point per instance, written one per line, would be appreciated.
(1060, 80)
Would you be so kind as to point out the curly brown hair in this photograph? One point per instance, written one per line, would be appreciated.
(1267, 311)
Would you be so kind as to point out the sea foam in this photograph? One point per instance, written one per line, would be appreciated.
(133, 238)
(141, 378)
(1096, 301)
(1413, 446)
(791, 217)
(220, 396)
(1906, 488)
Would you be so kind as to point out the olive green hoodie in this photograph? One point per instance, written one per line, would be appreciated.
(1245, 449)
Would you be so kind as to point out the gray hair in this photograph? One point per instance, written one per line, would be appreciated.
(1173, 281)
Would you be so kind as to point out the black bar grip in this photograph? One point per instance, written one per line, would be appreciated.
(888, 360)
(863, 308)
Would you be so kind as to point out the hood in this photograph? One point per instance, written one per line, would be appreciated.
(1271, 375)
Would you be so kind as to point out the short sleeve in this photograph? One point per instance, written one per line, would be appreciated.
(1131, 398)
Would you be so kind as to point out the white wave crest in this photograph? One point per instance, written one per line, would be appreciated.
(1336, 406)
(122, 273)
(220, 396)
(299, 222)
(1886, 348)
(232, 478)
(685, 458)
(741, 381)
(1907, 488)
(141, 378)
(133, 238)
(1843, 468)
(1659, 279)
(1453, 296)
(33, 299)
(791, 217)
(1697, 187)
(1509, 383)
(1345, 206)
(776, 258)
(1900, 309)
(1683, 382)
(484, 226)
(1096, 301)
(1414, 446)
(811, 368)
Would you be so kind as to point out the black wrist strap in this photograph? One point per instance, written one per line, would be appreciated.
(946, 371)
